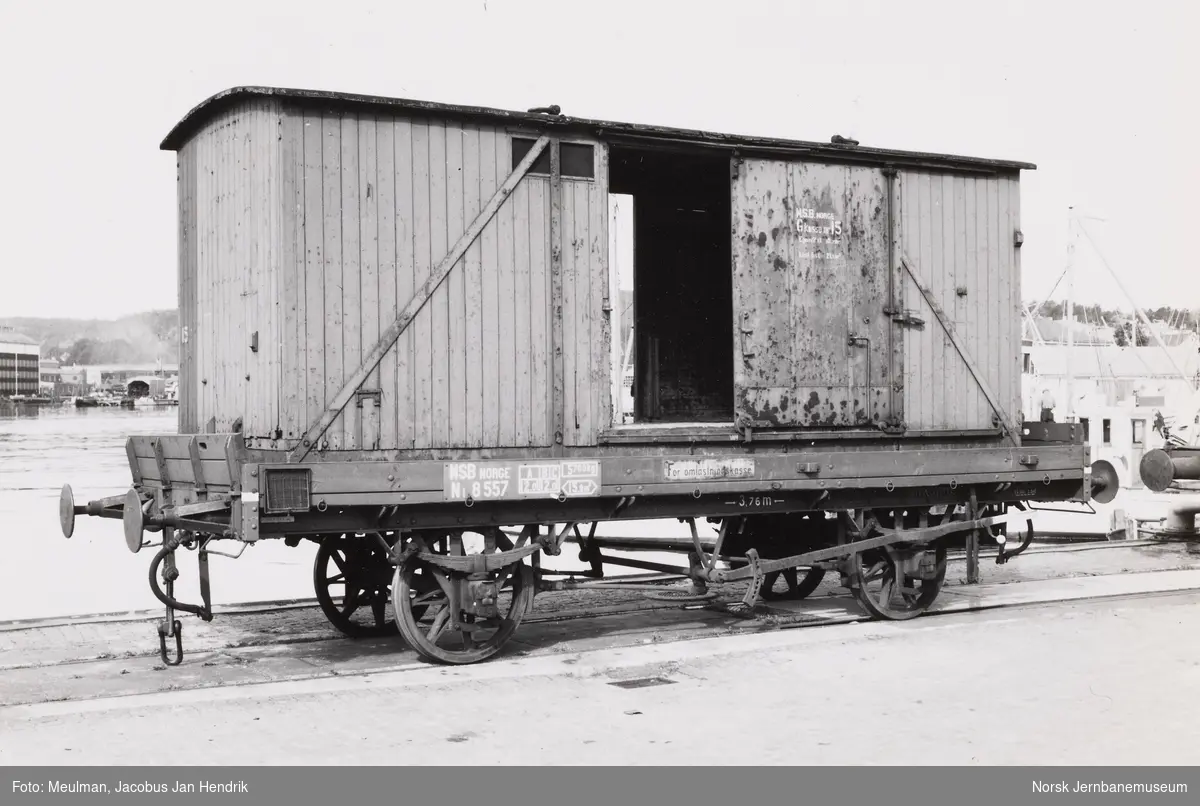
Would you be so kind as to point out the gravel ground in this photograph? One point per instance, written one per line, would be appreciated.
(1088, 683)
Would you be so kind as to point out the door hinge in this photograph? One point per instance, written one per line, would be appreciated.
(904, 318)
(744, 426)
(375, 395)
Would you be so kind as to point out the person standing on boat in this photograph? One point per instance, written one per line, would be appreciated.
(1160, 425)
(1047, 406)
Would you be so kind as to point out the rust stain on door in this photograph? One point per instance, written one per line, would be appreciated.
(811, 286)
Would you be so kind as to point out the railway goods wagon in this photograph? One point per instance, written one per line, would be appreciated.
(406, 335)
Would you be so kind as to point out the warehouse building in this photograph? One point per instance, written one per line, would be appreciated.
(20, 358)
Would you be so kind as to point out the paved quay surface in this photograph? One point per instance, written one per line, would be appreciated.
(71, 661)
(1108, 682)
(62, 640)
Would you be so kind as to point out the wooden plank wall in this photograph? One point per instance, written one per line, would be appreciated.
(371, 204)
(958, 231)
(229, 233)
(312, 229)
(585, 275)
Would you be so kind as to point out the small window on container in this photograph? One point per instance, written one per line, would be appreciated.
(578, 160)
(1087, 430)
(1139, 432)
(1107, 432)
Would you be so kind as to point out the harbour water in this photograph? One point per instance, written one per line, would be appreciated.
(45, 575)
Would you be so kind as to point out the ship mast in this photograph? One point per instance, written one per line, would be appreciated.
(1137, 309)
(1070, 323)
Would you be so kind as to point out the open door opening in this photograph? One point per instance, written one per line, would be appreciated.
(671, 258)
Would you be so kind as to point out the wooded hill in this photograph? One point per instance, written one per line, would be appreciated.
(136, 338)
(151, 335)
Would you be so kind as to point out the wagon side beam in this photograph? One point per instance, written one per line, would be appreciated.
(888, 537)
(410, 311)
(948, 327)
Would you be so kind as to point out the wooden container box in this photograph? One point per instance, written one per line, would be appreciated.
(780, 290)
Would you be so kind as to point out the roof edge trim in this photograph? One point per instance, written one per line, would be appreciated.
(199, 114)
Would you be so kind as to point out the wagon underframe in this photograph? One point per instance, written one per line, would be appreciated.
(395, 529)
(456, 290)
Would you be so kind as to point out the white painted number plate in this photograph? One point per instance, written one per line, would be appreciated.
(497, 481)
(708, 469)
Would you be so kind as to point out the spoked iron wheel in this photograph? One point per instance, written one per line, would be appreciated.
(796, 588)
(778, 536)
(897, 583)
(900, 581)
(459, 618)
(353, 578)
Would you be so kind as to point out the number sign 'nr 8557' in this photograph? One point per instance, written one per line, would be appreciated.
(496, 481)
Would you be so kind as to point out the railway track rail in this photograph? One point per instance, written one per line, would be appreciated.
(68, 659)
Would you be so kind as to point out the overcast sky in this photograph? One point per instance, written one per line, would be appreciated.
(1100, 95)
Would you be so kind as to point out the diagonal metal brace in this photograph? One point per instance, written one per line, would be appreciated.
(420, 297)
(887, 538)
(948, 327)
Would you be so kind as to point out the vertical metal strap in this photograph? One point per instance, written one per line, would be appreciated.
(234, 448)
(973, 542)
(134, 468)
(895, 341)
(161, 461)
(197, 468)
(558, 404)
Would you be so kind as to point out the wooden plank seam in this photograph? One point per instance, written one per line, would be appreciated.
(418, 301)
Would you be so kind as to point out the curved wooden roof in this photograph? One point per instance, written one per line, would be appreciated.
(613, 132)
